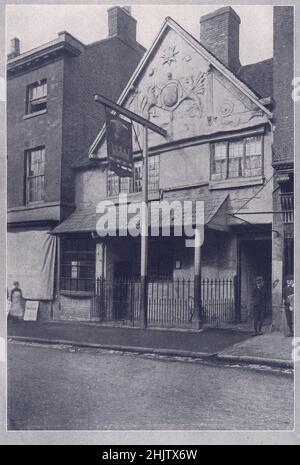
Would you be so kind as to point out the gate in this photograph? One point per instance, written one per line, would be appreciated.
(170, 302)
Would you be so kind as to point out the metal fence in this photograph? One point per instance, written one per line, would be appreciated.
(170, 302)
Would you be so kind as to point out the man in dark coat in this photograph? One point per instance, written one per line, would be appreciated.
(259, 297)
(288, 302)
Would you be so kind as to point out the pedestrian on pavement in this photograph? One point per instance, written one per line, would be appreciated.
(16, 310)
(259, 297)
(288, 303)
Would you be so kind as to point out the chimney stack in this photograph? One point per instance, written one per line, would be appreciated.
(121, 24)
(220, 34)
(14, 48)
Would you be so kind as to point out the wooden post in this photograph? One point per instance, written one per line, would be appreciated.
(197, 283)
(144, 234)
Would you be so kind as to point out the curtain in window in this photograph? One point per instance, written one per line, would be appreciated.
(253, 159)
(236, 150)
(219, 162)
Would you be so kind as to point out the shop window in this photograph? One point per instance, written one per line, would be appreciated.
(77, 269)
(36, 97)
(35, 175)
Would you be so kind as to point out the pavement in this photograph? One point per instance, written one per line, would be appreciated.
(221, 345)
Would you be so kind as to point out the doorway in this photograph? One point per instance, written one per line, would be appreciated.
(256, 260)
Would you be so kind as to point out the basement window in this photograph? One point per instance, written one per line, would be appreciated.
(36, 97)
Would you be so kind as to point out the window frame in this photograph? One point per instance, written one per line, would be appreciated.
(28, 177)
(85, 267)
(44, 100)
(227, 142)
(132, 182)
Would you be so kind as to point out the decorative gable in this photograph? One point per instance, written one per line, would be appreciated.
(182, 88)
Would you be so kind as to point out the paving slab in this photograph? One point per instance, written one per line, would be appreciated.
(274, 346)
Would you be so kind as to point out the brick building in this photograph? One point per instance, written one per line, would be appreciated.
(51, 121)
(283, 152)
(218, 115)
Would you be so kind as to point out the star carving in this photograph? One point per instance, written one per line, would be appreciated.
(169, 55)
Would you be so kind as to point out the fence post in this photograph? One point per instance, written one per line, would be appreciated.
(237, 303)
(197, 282)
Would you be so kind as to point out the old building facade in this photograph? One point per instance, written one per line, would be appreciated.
(51, 120)
(218, 149)
(283, 153)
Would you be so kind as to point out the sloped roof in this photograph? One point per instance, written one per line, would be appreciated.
(259, 77)
(85, 219)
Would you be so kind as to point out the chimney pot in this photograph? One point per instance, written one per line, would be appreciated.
(220, 34)
(14, 48)
(121, 24)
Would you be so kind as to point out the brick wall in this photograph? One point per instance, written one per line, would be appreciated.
(24, 134)
(283, 67)
(105, 68)
(72, 308)
(219, 33)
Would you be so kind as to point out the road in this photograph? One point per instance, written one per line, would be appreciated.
(63, 388)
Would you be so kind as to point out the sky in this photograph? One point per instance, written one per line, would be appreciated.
(37, 24)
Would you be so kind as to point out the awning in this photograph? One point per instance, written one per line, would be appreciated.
(84, 220)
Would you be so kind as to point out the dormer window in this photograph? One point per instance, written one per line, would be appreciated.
(37, 97)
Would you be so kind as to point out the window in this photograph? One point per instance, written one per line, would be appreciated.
(253, 160)
(237, 158)
(117, 185)
(37, 97)
(77, 269)
(219, 161)
(35, 174)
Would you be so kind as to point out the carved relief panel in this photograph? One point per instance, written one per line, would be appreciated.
(182, 92)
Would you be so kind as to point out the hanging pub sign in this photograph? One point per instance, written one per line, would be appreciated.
(119, 145)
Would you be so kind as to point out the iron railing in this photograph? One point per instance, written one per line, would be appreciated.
(170, 302)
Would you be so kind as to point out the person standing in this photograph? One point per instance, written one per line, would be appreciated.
(259, 297)
(16, 307)
(288, 303)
